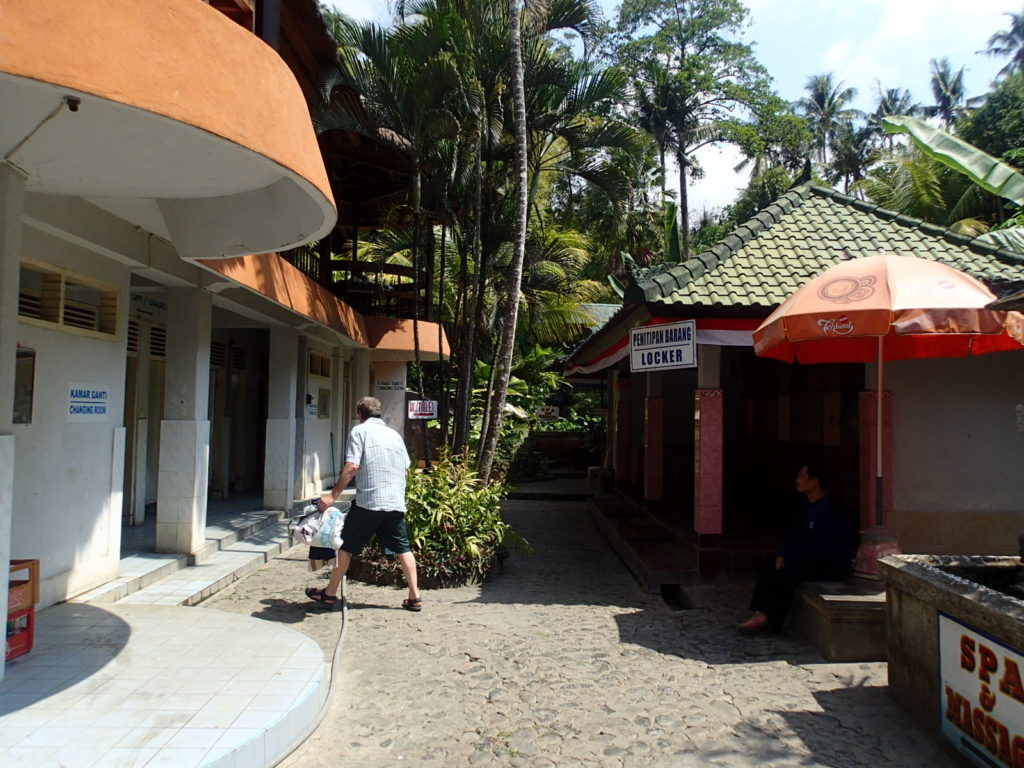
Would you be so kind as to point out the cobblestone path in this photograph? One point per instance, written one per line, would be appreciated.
(563, 661)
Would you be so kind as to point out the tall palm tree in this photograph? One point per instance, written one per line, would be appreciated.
(948, 92)
(653, 94)
(1009, 43)
(826, 105)
(852, 150)
(891, 102)
(489, 443)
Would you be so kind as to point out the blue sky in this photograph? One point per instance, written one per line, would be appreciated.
(861, 41)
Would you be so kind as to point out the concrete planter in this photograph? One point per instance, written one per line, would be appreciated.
(956, 642)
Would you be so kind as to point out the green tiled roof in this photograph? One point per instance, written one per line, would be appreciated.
(805, 231)
(601, 313)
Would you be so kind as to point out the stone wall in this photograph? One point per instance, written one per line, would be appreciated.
(918, 589)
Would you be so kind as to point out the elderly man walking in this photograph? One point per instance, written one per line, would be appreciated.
(376, 457)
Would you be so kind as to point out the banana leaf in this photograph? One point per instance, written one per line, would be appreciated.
(1011, 239)
(980, 167)
(617, 285)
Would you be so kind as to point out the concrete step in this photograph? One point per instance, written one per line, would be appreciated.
(141, 570)
(195, 583)
(652, 552)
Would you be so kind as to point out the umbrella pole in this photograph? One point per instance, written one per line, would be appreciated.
(879, 484)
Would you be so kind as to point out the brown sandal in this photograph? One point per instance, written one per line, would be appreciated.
(321, 596)
(414, 604)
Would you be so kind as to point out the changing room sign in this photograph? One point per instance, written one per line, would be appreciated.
(663, 347)
(981, 696)
(88, 402)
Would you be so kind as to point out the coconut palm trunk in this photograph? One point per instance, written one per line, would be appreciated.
(508, 334)
(684, 206)
(416, 211)
(467, 352)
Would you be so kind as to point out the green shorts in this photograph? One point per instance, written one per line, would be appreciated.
(361, 525)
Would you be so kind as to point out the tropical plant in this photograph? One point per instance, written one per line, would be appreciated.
(892, 102)
(986, 173)
(948, 91)
(702, 77)
(852, 150)
(981, 168)
(496, 405)
(455, 529)
(826, 106)
(1009, 44)
(997, 126)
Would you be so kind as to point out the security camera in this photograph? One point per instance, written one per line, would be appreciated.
(73, 103)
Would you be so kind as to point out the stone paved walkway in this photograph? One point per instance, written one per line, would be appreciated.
(563, 661)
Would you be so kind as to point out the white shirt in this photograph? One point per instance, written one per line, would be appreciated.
(383, 461)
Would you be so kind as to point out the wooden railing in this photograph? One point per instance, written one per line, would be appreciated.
(387, 290)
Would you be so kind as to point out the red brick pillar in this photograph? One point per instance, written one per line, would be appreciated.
(654, 449)
(868, 455)
(708, 456)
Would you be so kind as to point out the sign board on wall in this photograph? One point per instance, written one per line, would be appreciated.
(663, 347)
(88, 402)
(981, 696)
(422, 409)
(547, 412)
(389, 380)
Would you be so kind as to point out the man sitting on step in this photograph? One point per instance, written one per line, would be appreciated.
(819, 548)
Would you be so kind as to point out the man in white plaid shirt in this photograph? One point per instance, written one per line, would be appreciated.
(376, 457)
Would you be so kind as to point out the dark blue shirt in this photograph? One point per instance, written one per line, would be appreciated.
(821, 536)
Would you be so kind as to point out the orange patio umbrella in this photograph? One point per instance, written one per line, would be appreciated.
(887, 307)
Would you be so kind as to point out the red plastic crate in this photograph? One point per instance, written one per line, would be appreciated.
(22, 637)
(19, 596)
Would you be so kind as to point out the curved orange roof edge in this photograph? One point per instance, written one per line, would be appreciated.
(279, 281)
(180, 59)
(387, 334)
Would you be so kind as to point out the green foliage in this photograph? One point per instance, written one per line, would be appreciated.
(980, 167)
(997, 127)
(455, 527)
(761, 192)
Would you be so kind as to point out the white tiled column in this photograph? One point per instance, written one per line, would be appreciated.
(185, 429)
(300, 482)
(12, 199)
(338, 403)
(279, 461)
(142, 419)
(361, 373)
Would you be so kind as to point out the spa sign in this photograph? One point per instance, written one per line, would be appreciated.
(663, 347)
(982, 695)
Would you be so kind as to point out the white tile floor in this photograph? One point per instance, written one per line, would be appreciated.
(150, 685)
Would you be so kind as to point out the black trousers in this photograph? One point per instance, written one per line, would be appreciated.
(774, 588)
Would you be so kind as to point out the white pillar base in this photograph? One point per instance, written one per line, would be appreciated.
(182, 487)
(279, 464)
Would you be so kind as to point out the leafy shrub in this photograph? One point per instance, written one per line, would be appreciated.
(455, 529)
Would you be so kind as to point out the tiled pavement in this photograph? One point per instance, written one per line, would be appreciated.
(125, 675)
(145, 685)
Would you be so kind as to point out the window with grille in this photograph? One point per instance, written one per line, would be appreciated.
(53, 297)
(319, 364)
(158, 341)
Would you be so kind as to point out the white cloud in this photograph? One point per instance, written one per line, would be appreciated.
(368, 10)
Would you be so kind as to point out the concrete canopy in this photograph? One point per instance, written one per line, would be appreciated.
(167, 114)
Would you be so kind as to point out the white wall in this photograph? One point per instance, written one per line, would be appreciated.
(318, 436)
(65, 512)
(389, 383)
(957, 445)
